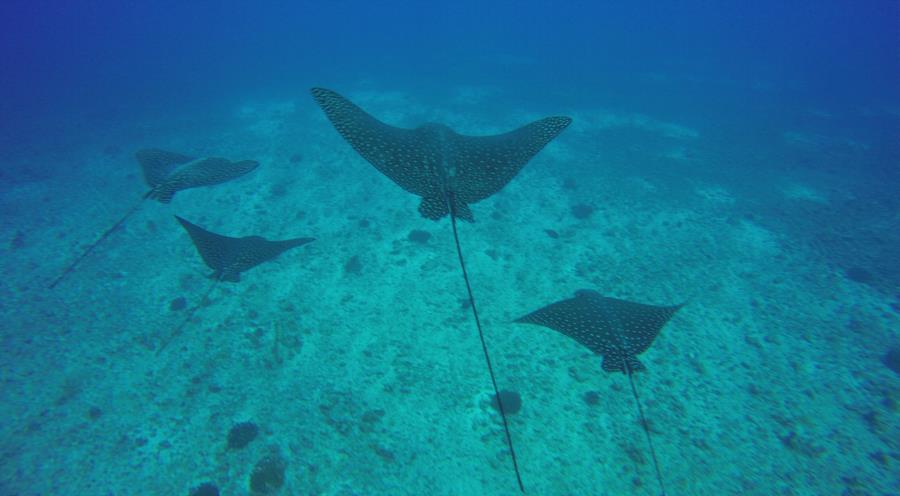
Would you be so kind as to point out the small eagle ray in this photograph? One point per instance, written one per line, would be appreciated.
(617, 330)
(167, 173)
(448, 171)
(228, 257)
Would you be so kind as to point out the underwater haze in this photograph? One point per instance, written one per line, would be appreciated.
(739, 158)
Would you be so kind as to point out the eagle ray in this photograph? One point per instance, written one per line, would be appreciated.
(228, 257)
(617, 330)
(449, 171)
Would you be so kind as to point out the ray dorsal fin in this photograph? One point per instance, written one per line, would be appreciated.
(214, 249)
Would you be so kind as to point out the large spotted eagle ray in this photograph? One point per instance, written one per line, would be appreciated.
(617, 330)
(167, 173)
(228, 257)
(449, 171)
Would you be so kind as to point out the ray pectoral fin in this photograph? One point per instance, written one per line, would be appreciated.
(214, 170)
(299, 242)
(267, 250)
(400, 154)
(434, 207)
(488, 163)
(212, 247)
(156, 164)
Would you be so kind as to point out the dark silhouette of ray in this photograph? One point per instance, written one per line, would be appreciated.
(168, 173)
(192, 174)
(448, 171)
(617, 330)
(228, 257)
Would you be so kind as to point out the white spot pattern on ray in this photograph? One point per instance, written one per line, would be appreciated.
(617, 330)
(168, 173)
(435, 162)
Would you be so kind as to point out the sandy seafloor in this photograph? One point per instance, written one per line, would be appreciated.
(769, 381)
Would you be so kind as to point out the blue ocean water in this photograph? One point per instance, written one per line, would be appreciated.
(740, 158)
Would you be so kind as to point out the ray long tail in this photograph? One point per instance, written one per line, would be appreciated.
(93, 245)
(484, 348)
(188, 318)
(637, 399)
